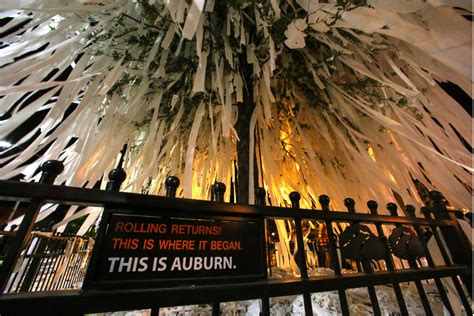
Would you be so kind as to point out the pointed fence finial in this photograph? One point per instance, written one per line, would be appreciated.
(117, 176)
(122, 156)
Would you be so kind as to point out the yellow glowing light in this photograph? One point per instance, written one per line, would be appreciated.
(392, 178)
(370, 150)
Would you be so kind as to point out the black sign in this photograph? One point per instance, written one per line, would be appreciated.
(137, 247)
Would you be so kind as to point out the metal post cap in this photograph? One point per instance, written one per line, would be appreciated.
(172, 182)
(350, 205)
(260, 192)
(424, 210)
(295, 196)
(372, 205)
(410, 210)
(219, 187)
(324, 201)
(436, 196)
(392, 208)
(117, 175)
(52, 167)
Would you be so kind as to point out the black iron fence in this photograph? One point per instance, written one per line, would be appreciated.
(379, 249)
(49, 262)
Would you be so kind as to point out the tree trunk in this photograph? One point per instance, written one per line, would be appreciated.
(243, 130)
(243, 153)
(245, 110)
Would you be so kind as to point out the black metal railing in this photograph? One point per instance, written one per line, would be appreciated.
(50, 262)
(382, 249)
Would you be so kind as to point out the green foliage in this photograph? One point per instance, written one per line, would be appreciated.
(73, 226)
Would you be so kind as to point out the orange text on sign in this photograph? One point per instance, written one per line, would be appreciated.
(133, 227)
(184, 229)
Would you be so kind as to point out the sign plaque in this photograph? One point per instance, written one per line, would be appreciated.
(159, 249)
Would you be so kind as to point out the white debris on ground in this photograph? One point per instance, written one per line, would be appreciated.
(190, 310)
(323, 303)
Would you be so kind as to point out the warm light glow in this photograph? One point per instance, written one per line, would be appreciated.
(392, 178)
(370, 150)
